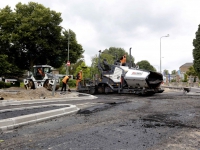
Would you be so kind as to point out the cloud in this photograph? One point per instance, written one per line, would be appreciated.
(132, 23)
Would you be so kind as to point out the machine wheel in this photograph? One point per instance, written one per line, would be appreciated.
(49, 87)
(92, 90)
(46, 84)
(100, 89)
(30, 85)
(26, 87)
(107, 89)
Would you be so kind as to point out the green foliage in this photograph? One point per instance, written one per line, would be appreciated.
(144, 64)
(7, 69)
(22, 84)
(86, 70)
(115, 54)
(72, 68)
(111, 55)
(72, 83)
(173, 72)
(191, 71)
(173, 80)
(31, 35)
(185, 78)
(4, 85)
(4, 65)
(7, 85)
(166, 72)
(196, 52)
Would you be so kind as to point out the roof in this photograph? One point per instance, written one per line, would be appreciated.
(187, 65)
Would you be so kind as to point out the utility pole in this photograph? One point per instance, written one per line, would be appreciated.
(160, 51)
(68, 54)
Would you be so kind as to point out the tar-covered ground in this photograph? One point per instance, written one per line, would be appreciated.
(163, 121)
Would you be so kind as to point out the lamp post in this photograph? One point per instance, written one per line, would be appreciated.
(160, 50)
(67, 67)
(157, 67)
(68, 54)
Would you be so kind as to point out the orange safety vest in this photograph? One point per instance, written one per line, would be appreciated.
(40, 71)
(80, 76)
(65, 79)
(123, 60)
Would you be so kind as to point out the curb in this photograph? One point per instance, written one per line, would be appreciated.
(22, 102)
(193, 94)
(11, 123)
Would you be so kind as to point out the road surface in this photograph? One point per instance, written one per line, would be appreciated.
(163, 121)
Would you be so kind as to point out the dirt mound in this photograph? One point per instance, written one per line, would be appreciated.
(22, 94)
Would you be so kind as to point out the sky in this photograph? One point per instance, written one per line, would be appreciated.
(140, 24)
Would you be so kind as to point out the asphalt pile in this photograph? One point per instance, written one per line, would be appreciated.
(31, 94)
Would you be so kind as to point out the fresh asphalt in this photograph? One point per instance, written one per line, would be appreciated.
(12, 111)
(18, 113)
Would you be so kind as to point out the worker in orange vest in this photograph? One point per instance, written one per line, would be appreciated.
(78, 78)
(65, 82)
(41, 72)
(123, 60)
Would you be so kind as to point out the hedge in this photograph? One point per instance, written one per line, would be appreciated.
(4, 85)
(71, 83)
(9, 84)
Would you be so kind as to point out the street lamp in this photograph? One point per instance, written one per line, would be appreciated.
(68, 55)
(157, 67)
(160, 50)
(67, 70)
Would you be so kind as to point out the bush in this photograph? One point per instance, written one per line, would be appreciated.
(2, 84)
(185, 78)
(173, 80)
(7, 85)
(71, 83)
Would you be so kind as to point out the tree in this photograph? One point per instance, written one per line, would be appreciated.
(84, 68)
(166, 72)
(32, 35)
(117, 53)
(144, 64)
(111, 55)
(196, 52)
(4, 65)
(191, 71)
(7, 69)
(173, 72)
(72, 68)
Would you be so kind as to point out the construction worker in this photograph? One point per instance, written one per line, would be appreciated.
(65, 82)
(78, 78)
(123, 60)
(41, 72)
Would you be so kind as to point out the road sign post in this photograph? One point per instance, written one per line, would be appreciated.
(68, 63)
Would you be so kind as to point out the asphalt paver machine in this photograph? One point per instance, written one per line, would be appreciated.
(123, 79)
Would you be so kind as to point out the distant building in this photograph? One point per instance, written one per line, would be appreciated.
(184, 68)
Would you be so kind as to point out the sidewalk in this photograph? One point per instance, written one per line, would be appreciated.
(11, 123)
(71, 96)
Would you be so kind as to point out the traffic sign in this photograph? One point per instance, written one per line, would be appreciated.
(68, 63)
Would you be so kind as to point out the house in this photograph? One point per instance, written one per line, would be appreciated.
(184, 68)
